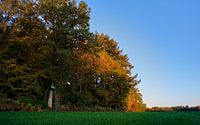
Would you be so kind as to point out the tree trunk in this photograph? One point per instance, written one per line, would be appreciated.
(50, 99)
(56, 100)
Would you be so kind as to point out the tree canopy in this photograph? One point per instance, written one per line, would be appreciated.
(44, 42)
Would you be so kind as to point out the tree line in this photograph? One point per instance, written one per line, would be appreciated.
(173, 108)
(44, 43)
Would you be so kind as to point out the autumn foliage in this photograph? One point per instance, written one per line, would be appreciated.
(44, 42)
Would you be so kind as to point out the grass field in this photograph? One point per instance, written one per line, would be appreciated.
(99, 118)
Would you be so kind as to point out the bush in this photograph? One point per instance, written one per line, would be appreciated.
(12, 105)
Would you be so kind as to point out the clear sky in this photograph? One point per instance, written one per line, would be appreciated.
(162, 40)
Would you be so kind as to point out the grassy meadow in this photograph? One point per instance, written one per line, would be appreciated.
(99, 118)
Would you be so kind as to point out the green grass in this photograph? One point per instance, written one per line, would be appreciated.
(99, 118)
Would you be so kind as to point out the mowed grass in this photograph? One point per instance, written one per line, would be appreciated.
(99, 118)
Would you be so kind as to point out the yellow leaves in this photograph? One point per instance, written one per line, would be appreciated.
(90, 61)
(3, 26)
(133, 101)
(102, 63)
(83, 7)
(53, 2)
(107, 64)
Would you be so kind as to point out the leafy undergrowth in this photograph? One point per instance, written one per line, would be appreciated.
(99, 118)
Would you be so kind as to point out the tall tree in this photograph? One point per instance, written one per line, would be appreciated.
(21, 36)
(46, 43)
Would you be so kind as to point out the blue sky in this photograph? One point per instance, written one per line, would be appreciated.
(162, 40)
